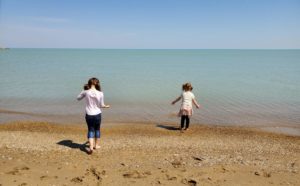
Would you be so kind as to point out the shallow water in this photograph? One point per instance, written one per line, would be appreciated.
(234, 87)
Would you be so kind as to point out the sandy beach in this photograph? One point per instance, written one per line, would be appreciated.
(39, 153)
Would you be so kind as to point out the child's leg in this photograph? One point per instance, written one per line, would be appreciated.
(187, 122)
(91, 131)
(97, 139)
(91, 141)
(97, 131)
(182, 122)
(91, 137)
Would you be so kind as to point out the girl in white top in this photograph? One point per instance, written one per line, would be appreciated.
(94, 102)
(186, 109)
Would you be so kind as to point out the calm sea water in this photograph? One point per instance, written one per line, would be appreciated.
(234, 87)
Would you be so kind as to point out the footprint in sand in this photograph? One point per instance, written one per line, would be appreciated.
(95, 173)
(16, 170)
(77, 179)
(136, 174)
(13, 172)
(43, 177)
(24, 168)
(171, 177)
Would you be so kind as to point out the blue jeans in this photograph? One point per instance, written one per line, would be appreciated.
(93, 123)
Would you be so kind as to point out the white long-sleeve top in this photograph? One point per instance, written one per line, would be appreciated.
(187, 99)
(94, 101)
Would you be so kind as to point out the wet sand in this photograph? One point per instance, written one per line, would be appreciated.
(40, 153)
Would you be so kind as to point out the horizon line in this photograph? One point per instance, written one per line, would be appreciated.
(151, 48)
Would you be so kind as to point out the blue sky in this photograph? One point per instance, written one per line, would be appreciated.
(150, 24)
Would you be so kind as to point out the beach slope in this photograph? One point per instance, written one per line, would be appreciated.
(37, 153)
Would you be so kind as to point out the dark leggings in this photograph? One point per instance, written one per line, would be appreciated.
(187, 121)
(93, 123)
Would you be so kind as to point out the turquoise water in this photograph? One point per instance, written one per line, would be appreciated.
(234, 87)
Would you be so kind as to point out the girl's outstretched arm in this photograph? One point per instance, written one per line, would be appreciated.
(105, 106)
(173, 102)
(81, 96)
(195, 102)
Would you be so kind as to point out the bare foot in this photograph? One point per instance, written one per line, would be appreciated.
(97, 147)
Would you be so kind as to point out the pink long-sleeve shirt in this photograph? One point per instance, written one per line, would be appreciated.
(94, 101)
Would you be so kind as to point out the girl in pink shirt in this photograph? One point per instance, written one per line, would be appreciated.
(94, 100)
(186, 109)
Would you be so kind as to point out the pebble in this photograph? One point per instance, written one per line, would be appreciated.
(192, 182)
(267, 175)
(176, 163)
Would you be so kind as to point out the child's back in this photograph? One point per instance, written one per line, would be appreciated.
(187, 98)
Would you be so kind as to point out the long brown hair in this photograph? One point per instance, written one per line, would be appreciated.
(92, 81)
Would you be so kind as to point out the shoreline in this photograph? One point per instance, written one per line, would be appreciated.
(10, 116)
(141, 154)
(273, 123)
(282, 129)
(43, 126)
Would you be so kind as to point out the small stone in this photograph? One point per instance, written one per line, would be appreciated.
(192, 182)
(267, 175)
(43, 177)
(184, 181)
(224, 170)
(293, 164)
(176, 163)
(256, 173)
(198, 158)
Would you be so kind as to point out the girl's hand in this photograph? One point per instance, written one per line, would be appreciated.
(197, 106)
(107, 106)
(176, 100)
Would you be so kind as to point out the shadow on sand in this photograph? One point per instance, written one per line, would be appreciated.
(72, 145)
(167, 127)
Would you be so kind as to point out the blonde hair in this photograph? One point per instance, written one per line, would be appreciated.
(187, 87)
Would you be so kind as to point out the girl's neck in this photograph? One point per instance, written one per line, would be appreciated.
(93, 87)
